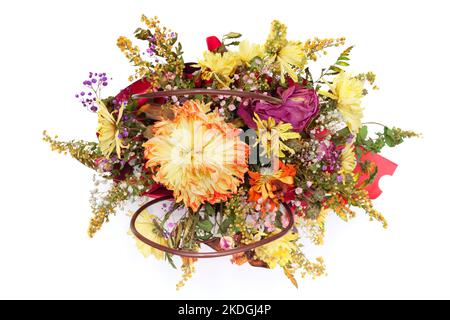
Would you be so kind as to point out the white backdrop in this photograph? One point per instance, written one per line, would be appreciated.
(47, 48)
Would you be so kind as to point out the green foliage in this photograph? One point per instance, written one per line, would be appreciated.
(229, 40)
(169, 259)
(342, 61)
(85, 152)
(209, 210)
(205, 225)
(390, 137)
(232, 35)
(142, 34)
(223, 227)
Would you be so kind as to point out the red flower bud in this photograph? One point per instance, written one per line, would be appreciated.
(213, 43)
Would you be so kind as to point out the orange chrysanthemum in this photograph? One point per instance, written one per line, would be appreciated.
(268, 189)
(197, 155)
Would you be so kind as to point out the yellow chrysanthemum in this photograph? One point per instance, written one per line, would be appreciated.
(271, 136)
(248, 51)
(197, 155)
(348, 159)
(278, 252)
(348, 91)
(221, 66)
(108, 130)
(289, 58)
(145, 225)
(287, 55)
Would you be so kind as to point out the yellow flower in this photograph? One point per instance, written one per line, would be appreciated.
(287, 55)
(348, 159)
(197, 155)
(247, 51)
(348, 91)
(108, 130)
(279, 251)
(271, 136)
(145, 225)
(290, 57)
(221, 66)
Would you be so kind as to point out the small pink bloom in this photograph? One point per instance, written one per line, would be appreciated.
(269, 225)
(170, 226)
(284, 220)
(226, 243)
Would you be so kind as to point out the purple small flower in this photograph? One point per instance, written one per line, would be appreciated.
(94, 85)
(339, 178)
(170, 226)
(350, 139)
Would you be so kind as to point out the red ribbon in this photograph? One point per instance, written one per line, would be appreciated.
(137, 87)
(385, 167)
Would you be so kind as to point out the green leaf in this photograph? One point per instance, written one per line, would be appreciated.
(388, 132)
(389, 137)
(362, 134)
(342, 63)
(204, 237)
(209, 209)
(234, 43)
(358, 152)
(170, 259)
(232, 35)
(390, 141)
(372, 176)
(205, 225)
(223, 228)
(335, 69)
(142, 34)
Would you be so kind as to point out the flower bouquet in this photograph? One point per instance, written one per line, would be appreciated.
(243, 153)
